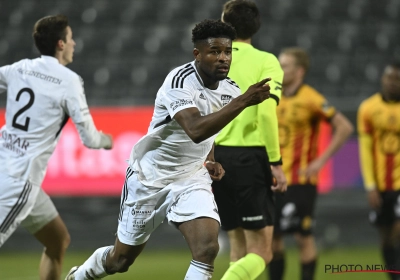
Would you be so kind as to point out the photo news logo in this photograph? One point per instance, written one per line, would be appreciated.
(361, 268)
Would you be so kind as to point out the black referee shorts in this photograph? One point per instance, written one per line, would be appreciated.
(244, 197)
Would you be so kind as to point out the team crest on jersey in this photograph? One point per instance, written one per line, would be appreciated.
(226, 99)
(180, 103)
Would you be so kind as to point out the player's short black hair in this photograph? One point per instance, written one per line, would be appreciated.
(244, 16)
(210, 28)
(48, 31)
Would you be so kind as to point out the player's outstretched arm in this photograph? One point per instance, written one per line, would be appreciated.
(199, 127)
(92, 138)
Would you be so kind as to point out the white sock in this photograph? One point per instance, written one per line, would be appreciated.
(94, 266)
(199, 271)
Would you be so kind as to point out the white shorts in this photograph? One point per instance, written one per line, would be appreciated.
(23, 203)
(144, 208)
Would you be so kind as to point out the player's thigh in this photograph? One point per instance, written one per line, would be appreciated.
(17, 199)
(195, 212)
(54, 236)
(201, 234)
(237, 242)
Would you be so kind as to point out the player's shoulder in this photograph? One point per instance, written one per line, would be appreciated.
(69, 74)
(230, 83)
(371, 101)
(231, 86)
(310, 91)
(180, 76)
(20, 64)
(267, 57)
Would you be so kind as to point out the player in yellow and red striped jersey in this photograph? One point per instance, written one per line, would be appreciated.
(378, 123)
(300, 112)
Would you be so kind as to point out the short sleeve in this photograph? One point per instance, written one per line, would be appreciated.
(76, 104)
(176, 100)
(323, 107)
(3, 78)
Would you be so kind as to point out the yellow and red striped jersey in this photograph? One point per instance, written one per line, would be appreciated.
(378, 124)
(299, 118)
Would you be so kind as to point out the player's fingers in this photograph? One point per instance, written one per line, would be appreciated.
(262, 82)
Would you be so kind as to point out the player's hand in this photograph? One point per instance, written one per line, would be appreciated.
(374, 199)
(215, 170)
(111, 141)
(256, 93)
(312, 169)
(280, 183)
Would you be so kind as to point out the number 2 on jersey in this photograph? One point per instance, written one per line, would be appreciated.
(24, 126)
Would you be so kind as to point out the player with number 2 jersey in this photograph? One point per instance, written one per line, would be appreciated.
(42, 94)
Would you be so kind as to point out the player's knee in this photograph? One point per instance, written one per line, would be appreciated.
(207, 252)
(57, 248)
(66, 241)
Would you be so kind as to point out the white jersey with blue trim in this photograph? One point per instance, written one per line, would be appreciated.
(41, 95)
(166, 153)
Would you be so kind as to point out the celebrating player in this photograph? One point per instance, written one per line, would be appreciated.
(41, 95)
(171, 168)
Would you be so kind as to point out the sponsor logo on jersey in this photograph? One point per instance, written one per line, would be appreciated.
(14, 143)
(41, 76)
(180, 103)
(202, 96)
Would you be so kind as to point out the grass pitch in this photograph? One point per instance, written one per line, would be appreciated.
(172, 265)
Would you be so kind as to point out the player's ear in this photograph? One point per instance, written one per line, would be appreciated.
(196, 54)
(60, 44)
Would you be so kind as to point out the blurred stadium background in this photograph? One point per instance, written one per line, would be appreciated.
(124, 49)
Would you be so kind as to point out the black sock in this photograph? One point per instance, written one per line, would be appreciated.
(390, 256)
(277, 267)
(308, 270)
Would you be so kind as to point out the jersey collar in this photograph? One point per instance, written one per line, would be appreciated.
(50, 58)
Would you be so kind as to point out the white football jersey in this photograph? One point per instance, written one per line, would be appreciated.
(41, 95)
(166, 153)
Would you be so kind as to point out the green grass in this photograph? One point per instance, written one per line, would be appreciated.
(172, 265)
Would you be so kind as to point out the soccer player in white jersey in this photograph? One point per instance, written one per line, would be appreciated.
(41, 95)
(171, 168)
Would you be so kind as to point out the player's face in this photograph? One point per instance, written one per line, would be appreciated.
(289, 67)
(69, 47)
(214, 58)
(391, 82)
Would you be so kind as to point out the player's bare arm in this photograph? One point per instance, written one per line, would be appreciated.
(342, 129)
(199, 127)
